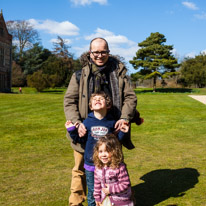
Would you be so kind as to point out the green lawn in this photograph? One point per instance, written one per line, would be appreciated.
(167, 167)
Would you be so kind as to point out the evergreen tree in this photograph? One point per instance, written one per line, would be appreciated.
(193, 71)
(155, 59)
(34, 58)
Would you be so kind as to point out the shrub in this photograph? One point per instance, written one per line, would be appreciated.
(38, 80)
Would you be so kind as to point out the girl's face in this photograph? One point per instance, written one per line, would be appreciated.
(104, 155)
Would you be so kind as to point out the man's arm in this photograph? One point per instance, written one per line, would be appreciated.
(129, 101)
(71, 101)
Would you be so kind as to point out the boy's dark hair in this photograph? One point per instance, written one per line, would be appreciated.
(102, 94)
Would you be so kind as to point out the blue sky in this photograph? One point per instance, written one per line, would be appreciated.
(124, 23)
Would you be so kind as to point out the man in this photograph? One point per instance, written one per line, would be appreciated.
(100, 72)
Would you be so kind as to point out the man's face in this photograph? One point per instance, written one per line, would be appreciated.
(99, 52)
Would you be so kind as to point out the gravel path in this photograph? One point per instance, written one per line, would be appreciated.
(201, 98)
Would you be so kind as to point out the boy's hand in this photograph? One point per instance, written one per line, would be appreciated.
(106, 190)
(69, 124)
(82, 130)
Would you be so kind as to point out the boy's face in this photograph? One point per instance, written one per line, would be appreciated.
(98, 103)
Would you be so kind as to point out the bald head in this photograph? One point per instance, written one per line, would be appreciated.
(98, 40)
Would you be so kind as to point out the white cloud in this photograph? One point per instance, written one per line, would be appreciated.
(175, 53)
(201, 16)
(190, 55)
(80, 50)
(127, 53)
(190, 5)
(110, 37)
(88, 2)
(54, 27)
(203, 52)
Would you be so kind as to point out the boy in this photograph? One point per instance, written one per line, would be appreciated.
(98, 123)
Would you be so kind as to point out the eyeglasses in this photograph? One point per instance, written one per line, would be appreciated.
(97, 53)
(98, 99)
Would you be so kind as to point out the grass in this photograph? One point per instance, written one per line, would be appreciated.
(167, 167)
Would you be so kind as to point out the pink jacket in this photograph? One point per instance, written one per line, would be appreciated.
(119, 185)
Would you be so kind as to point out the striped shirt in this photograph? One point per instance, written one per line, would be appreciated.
(118, 182)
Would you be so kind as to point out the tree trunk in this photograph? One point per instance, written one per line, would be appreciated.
(154, 84)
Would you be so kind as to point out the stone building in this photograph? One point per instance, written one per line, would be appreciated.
(5, 56)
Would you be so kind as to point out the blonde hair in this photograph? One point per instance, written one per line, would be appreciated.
(104, 95)
(113, 146)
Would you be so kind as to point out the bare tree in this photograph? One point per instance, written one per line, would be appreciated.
(61, 48)
(23, 33)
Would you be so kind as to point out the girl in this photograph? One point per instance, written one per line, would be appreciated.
(111, 179)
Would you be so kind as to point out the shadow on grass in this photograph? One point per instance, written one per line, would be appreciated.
(160, 185)
(164, 90)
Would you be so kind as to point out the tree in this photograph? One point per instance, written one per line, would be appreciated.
(56, 69)
(34, 59)
(64, 60)
(155, 59)
(193, 71)
(23, 34)
(18, 77)
(61, 49)
(38, 80)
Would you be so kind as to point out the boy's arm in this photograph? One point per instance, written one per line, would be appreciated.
(123, 132)
(75, 136)
(73, 132)
(121, 136)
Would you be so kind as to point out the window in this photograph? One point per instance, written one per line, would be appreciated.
(1, 56)
(1, 31)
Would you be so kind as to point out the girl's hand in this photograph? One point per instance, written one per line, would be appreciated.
(98, 203)
(106, 190)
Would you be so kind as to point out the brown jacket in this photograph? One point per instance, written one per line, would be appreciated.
(76, 98)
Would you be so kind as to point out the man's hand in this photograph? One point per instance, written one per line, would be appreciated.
(125, 127)
(82, 130)
(121, 125)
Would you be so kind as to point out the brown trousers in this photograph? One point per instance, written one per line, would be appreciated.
(78, 182)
